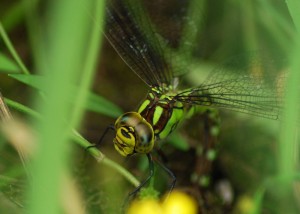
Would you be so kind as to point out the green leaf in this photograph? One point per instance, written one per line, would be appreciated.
(95, 103)
(7, 65)
(34, 81)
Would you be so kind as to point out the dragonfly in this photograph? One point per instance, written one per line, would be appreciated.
(147, 51)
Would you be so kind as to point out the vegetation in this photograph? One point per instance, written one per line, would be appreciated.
(62, 93)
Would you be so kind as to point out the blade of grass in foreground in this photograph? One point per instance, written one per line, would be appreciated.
(288, 136)
(93, 102)
(64, 48)
(12, 50)
(7, 66)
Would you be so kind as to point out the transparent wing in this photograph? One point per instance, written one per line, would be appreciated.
(138, 46)
(155, 38)
(179, 27)
(258, 92)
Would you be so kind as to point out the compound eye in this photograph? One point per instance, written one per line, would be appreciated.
(145, 135)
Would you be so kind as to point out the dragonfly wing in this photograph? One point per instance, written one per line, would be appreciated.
(178, 24)
(139, 47)
(258, 92)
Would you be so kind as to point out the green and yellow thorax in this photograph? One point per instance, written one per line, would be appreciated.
(162, 111)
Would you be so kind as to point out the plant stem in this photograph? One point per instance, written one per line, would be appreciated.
(98, 155)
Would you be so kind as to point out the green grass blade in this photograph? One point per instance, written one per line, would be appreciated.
(63, 47)
(101, 105)
(12, 50)
(80, 141)
(7, 65)
(288, 137)
(93, 102)
(90, 61)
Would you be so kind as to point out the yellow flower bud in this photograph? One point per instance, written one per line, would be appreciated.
(179, 203)
(145, 206)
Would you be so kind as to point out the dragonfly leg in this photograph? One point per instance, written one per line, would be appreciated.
(171, 174)
(110, 127)
(133, 193)
(151, 168)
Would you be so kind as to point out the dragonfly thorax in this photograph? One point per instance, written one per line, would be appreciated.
(133, 134)
(162, 112)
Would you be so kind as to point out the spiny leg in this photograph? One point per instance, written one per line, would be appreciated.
(171, 174)
(110, 127)
(151, 169)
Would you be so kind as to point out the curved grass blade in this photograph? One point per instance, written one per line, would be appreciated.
(95, 103)
(7, 65)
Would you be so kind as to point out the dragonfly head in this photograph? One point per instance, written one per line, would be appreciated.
(133, 134)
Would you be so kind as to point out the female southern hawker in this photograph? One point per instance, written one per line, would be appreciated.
(149, 54)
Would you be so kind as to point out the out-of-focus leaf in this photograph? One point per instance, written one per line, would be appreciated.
(95, 103)
(7, 65)
(99, 104)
